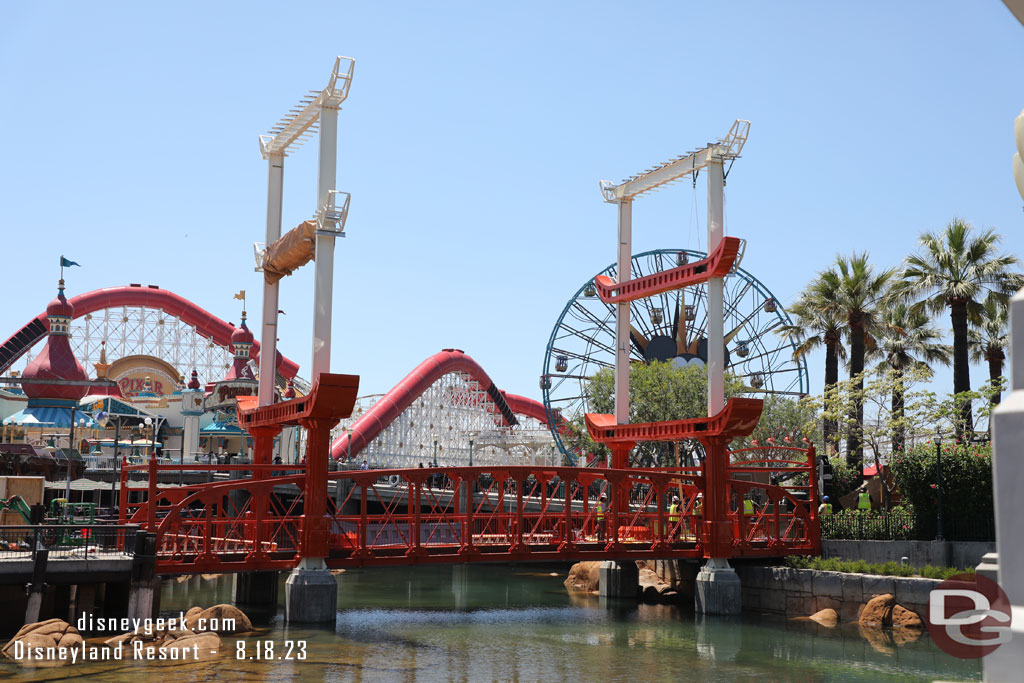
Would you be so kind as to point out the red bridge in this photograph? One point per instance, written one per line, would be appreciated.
(279, 514)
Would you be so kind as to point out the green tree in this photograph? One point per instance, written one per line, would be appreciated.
(907, 340)
(956, 270)
(782, 418)
(856, 291)
(657, 391)
(989, 338)
(817, 326)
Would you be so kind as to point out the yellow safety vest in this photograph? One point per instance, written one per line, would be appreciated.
(826, 508)
(698, 506)
(864, 501)
(673, 513)
(748, 507)
(600, 511)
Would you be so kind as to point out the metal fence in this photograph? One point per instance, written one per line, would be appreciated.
(67, 541)
(903, 525)
(892, 525)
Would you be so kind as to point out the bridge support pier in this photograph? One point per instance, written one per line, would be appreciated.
(619, 580)
(717, 590)
(257, 592)
(311, 594)
(144, 594)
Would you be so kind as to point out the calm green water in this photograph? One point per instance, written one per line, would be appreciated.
(483, 623)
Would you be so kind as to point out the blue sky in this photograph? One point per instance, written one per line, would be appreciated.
(472, 143)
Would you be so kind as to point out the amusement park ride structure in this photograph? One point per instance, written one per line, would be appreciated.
(487, 491)
(724, 422)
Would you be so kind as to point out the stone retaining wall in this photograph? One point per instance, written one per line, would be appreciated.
(802, 592)
(961, 554)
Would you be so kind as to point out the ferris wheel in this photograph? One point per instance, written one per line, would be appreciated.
(668, 327)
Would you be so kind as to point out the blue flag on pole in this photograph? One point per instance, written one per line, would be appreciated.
(65, 263)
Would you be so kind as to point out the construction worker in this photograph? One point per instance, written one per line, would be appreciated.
(864, 498)
(748, 505)
(601, 502)
(825, 508)
(673, 517)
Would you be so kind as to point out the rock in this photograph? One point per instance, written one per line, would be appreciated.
(825, 617)
(902, 636)
(51, 627)
(878, 611)
(584, 576)
(70, 639)
(117, 641)
(35, 626)
(877, 638)
(44, 634)
(652, 586)
(219, 617)
(208, 643)
(904, 618)
(191, 616)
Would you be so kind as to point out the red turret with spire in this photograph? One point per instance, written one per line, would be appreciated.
(56, 360)
(241, 344)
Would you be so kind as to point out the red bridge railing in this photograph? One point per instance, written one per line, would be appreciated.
(471, 514)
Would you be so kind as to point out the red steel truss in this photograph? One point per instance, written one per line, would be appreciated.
(717, 264)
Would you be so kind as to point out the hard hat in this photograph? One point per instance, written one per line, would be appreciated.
(603, 495)
(825, 499)
(675, 499)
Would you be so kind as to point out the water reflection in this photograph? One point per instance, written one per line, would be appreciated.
(469, 623)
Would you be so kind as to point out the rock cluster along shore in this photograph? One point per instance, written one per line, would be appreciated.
(175, 643)
(585, 577)
(881, 611)
(882, 621)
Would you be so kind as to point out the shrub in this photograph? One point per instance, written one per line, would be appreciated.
(833, 564)
(966, 486)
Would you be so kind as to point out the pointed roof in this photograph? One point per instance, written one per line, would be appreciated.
(56, 360)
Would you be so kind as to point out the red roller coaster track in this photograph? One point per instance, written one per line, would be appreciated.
(393, 403)
(207, 324)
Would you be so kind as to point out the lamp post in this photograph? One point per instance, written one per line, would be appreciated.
(149, 432)
(114, 497)
(938, 466)
(434, 464)
(67, 454)
(470, 451)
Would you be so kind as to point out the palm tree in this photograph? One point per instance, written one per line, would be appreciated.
(852, 291)
(908, 341)
(817, 326)
(957, 269)
(988, 340)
